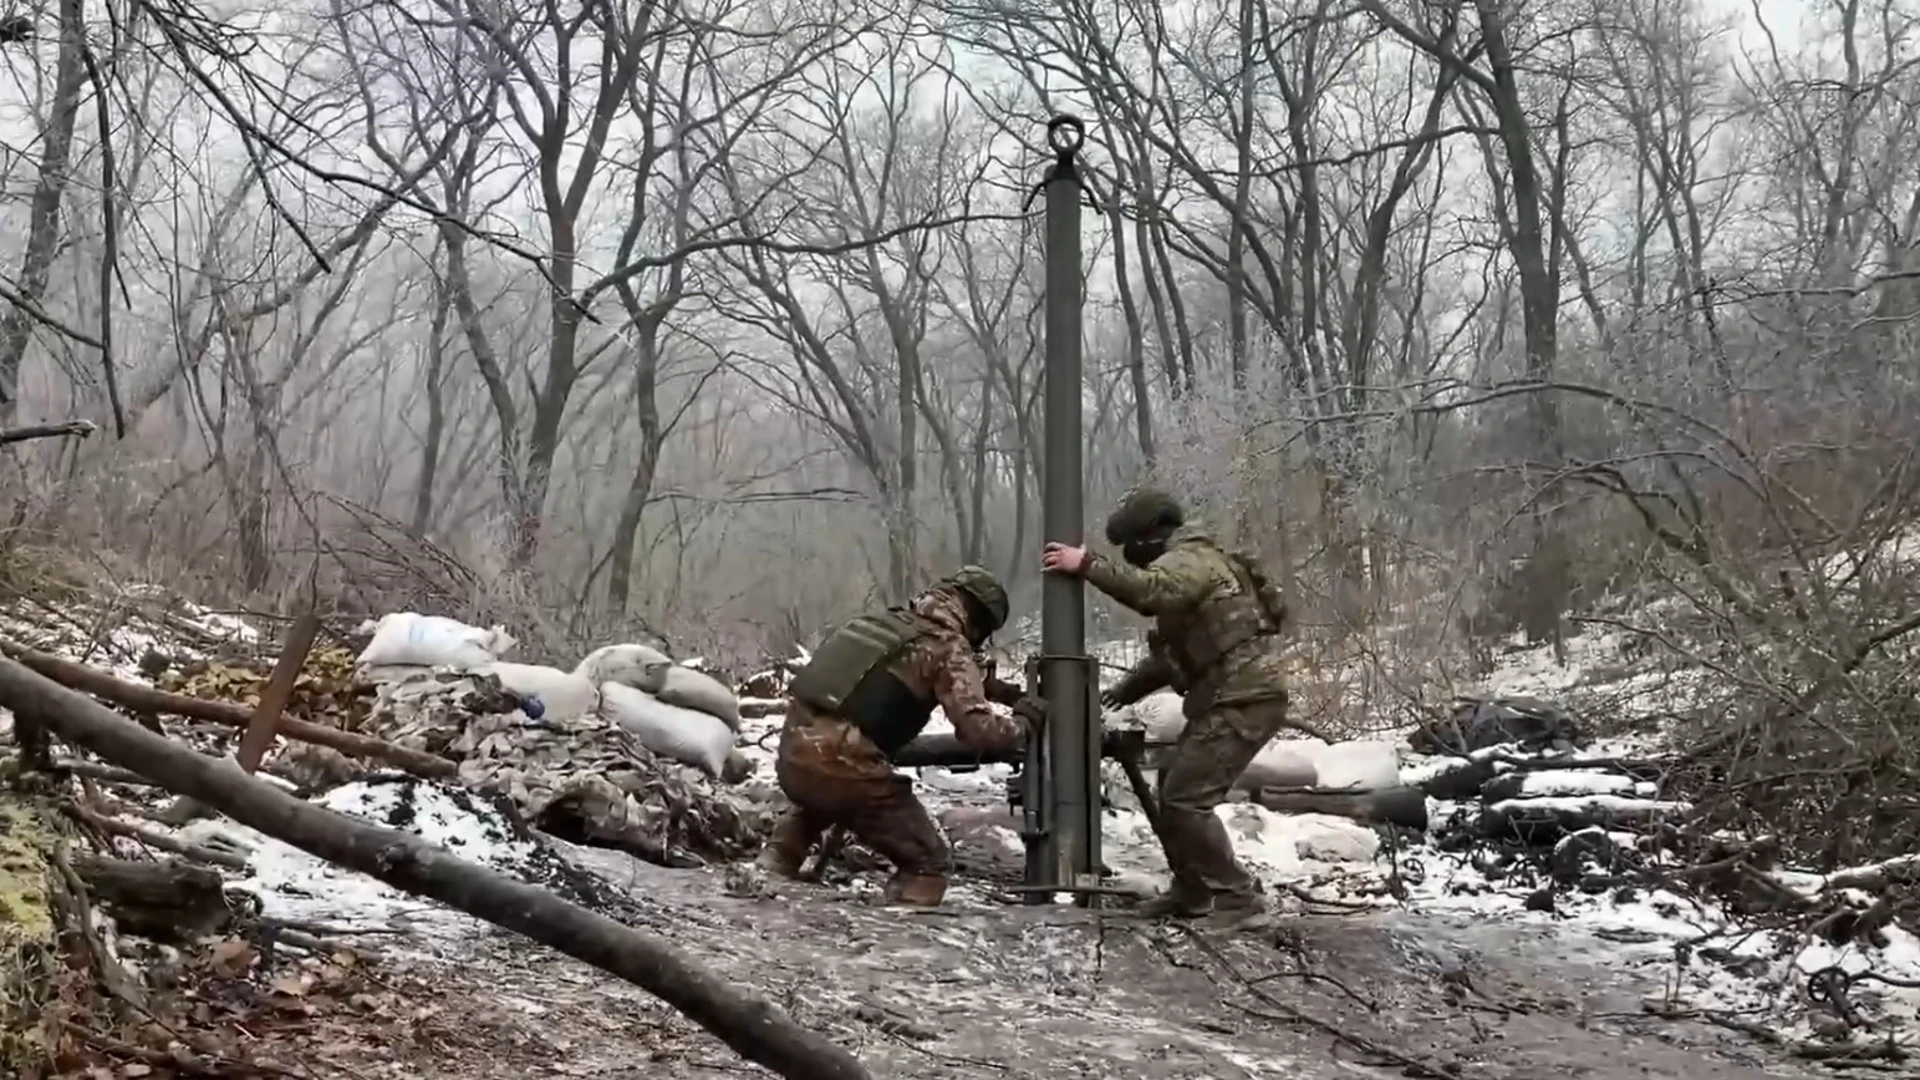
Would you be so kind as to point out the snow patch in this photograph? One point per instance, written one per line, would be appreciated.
(1548, 782)
(295, 885)
(1592, 804)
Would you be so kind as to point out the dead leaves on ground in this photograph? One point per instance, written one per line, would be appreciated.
(328, 690)
(239, 1010)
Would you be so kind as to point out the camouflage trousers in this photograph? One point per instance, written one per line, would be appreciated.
(1211, 753)
(833, 775)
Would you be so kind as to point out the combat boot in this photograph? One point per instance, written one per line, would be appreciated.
(1175, 903)
(917, 890)
(787, 848)
(1237, 910)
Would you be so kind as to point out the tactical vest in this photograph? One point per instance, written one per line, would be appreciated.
(849, 677)
(1197, 641)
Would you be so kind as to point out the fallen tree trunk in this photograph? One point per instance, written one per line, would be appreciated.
(174, 901)
(1538, 822)
(92, 680)
(1403, 806)
(1459, 778)
(748, 1023)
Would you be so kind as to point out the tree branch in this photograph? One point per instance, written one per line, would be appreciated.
(747, 1022)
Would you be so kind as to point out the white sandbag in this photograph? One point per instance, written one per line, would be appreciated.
(1158, 714)
(1357, 764)
(691, 689)
(668, 730)
(564, 695)
(642, 667)
(1283, 763)
(409, 638)
(1324, 838)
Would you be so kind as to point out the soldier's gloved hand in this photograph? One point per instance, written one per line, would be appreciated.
(1002, 692)
(1032, 710)
(1110, 699)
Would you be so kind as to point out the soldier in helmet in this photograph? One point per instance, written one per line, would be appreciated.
(1215, 640)
(869, 690)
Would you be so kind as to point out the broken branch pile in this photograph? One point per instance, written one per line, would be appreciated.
(750, 1024)
(1530, 810)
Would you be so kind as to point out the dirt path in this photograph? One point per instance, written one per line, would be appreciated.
(991, 991)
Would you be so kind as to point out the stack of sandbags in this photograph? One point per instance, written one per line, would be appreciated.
(1353, 765)
(405, 643)
(672, 709)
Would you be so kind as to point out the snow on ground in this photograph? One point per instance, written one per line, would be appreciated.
(115, 634)
(1689, 954)
(296, 886)
(1549, 782)
(1692, 955)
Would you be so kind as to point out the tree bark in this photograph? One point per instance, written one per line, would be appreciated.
(43, 222)
(77, 428)
(748, 1023)
(646, 406)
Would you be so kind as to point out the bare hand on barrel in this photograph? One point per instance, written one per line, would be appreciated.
(1057, 558)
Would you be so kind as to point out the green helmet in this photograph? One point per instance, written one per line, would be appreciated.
(1144, 514)
(979, 583)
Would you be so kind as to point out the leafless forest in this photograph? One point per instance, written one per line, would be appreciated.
(721, 319)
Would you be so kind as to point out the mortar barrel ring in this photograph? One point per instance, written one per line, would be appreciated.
(1065, 134)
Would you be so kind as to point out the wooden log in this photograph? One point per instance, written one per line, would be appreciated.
(1403, 806)
(1459, 778)
(749, 1023)
(93, 770)
(1900, 870)
(93, 681)
(279, 691)
(157, 841)
(165, 901)
(1540, 783)
(1542, 821)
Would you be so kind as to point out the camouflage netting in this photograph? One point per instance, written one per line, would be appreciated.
(328, 690)
(584, 780)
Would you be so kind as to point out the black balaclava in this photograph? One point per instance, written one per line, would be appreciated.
(1143, 551)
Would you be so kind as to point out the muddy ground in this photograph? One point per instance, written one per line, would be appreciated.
(985, 990)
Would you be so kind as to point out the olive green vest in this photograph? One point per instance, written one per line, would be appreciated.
(848, 677)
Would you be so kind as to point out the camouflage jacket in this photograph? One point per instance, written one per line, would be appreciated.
(1212, 640)
(940, 667)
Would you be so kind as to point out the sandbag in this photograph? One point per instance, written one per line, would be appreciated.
(1354, 765)
(1357, 765)
(642, 667)
(686, 735)
(1158, 714)
(1283, 763)
(406, 638)
(563, 695)
(691, 689)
